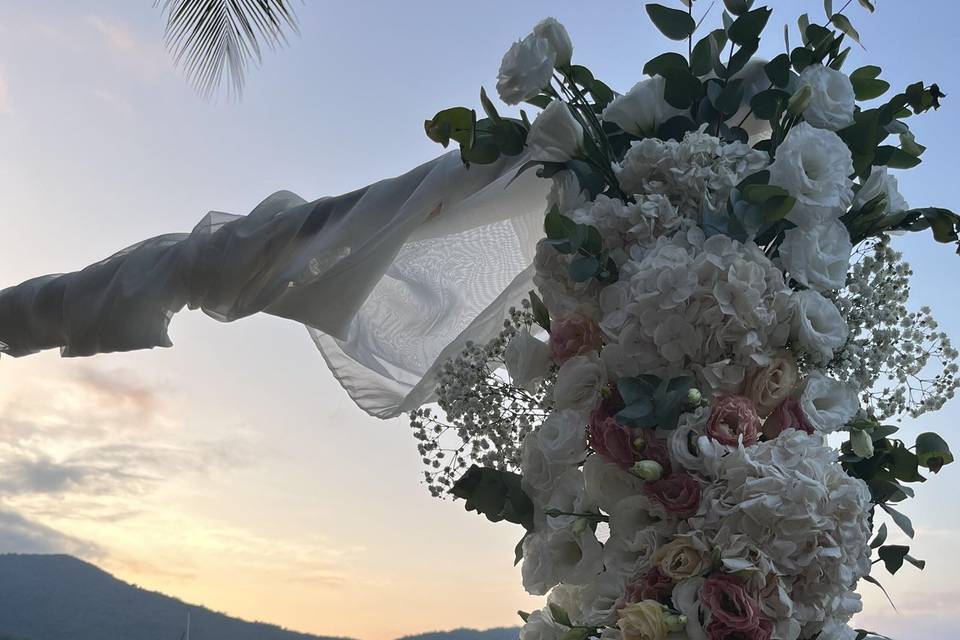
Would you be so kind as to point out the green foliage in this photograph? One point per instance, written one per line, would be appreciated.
(673, 23)
(651, 402)
(584, 241)
(495, 494)
(540, 313)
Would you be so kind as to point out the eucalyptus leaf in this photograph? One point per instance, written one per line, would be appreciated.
(843, 23)
(673, 23)
(666, 62)
(747, 27)
(900, 520)
(583, 268)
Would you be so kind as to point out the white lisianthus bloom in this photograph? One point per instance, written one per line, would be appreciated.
(827, 403)
(880, 182)
(563, 437)
(817, 324)
(818, 257)
(607, 484)
(541, 626)
(628, 557)
(630, 515)
(642, 109)
(837, 630)
(555, 135)
(538, 472)
(526, 69)
(579, 382)
(527, 359)
(814, 166)
(576, 554)
(593, 604)
(686, 599)
(832, 99)
(556, 34)
(566, 193)
(538, 572)
(567, 495)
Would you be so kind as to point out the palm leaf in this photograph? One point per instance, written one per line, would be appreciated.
(220, 40)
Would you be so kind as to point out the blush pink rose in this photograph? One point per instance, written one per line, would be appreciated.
(574, 335)
(734, 611)
(788, 415)
(678, 493)
(733, 417)
(651, 585)
(612, 440)
(716, 630)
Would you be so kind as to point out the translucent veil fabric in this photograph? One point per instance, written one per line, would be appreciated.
(390, 280)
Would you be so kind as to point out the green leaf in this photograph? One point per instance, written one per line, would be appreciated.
(747, 27)
(768, 104)
(843, 23)
(899, 519)
(540, 313)
(559, 615)
(518, 556)
(583, 268)
(743, 55)
(524, 615)
(673, 23)
(895, 158)
(866, 86)
(706, 53)
(456, 123)
(730, 97)
(602, 94)
(778, 70)
(760, 193)
(577, 633)
(876, 582)
(495, 494)
(558, 226)
(866, 4)
(801, 58)
(933, 452)
(892, 556)
(738, 7)
(665, 62)
(581, 75)
(633, 389)
(681, 88)
(541, 101)
(488, 107)
(881, 537)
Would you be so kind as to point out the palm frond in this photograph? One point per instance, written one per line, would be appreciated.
(220, 40)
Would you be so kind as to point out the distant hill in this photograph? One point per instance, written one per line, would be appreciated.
(56, 597)
(502, 633)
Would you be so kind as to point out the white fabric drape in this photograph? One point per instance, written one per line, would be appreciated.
(389, 279)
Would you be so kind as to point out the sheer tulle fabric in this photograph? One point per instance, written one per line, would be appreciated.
(389, 280)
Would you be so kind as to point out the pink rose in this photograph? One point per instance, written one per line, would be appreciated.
(574, 335)
(732, 417)
(612, 440)
(788, 415)
(716, 630)
(734, 611)
(651, 585)
(678, 493)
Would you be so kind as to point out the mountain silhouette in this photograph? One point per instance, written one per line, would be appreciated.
(59, 597)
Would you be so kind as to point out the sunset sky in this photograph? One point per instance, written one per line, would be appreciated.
(232, 470)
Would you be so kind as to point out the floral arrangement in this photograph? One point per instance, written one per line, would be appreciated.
(691, 415)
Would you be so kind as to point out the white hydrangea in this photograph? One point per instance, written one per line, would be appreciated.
(695, 173)
(710, 305)
(787, 506)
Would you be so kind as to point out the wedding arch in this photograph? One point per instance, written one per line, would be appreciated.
(663, 331)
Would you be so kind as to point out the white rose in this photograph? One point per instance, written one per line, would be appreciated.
(579, 382)
(563, 437)
(769, 385)
(526, 69)
(556, 34)
(881, 183)
(566, 193)
(537, 471)
(642, 109)
(607, 484)
(827, 403)
(832, 99)
(555, 136)
(541, 626)
(817, 324)
(818, 257)
(576, 554)
(567, 495)
(527, 359)
(537, 570)
(814, 166)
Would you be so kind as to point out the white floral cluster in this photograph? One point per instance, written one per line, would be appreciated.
(675, 457)
(891, 350)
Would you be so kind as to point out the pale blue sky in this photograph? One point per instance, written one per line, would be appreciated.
(277, 474)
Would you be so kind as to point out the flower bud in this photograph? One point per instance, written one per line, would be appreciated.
(553, 32)
(862, 443)
(694, 397)
(580, 524)
(639, 443)
(675, 623)
(647, 470)
(800, 100)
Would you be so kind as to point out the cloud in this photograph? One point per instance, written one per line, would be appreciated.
(20, 535)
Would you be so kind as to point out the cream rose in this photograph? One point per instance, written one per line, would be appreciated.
(643, 620)
(770, 385)
(683, 557)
